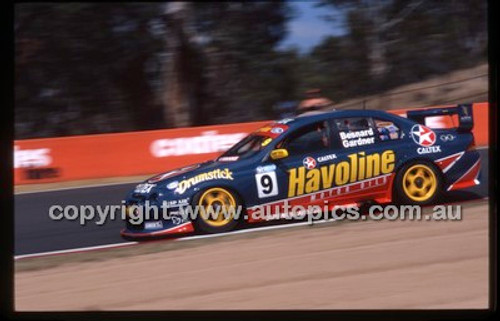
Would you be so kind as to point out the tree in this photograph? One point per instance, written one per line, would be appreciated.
(407, 41)
(233, 46)
(81, 68)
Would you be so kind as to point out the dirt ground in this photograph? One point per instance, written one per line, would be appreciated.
(356, 265)
(433, 93)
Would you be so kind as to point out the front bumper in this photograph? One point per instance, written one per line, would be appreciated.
(157, 224)
(183, 228)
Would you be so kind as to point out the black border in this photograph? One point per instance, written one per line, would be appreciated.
(493, 54)
(7, 226)
(7, 173)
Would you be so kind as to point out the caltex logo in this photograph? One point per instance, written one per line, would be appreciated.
(423, 136)
(309, 162)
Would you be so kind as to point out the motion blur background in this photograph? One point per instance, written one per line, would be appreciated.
(120, 67)
(89, 68)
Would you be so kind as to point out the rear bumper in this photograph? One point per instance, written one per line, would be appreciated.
(460, 170)
(471, 177)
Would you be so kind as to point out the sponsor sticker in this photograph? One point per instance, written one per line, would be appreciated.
(203, 177)
(144, 188)
(228, 158)
(447, 137)
(176, 219)
(357, 167)
(272, 130)
(173, 185)
(179, 202)
(326, 158)
(387, 130)
(429, 150)
(266, 168)
(277, 130)
(309, 162)
(153, 225)
(423, 136)
(357, 138)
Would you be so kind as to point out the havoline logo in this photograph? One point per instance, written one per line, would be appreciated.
(357, 167)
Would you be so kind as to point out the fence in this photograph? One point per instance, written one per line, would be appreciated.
(147, 152)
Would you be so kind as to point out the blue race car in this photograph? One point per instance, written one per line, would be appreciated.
(336, 158)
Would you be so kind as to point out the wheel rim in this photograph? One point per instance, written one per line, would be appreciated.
(419, 183)
(214, 203)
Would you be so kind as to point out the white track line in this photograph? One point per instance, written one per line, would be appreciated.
(256, 229)
(115, 245)
(76, 187)
(187, 238)
(112, 184)
(82, 249)
(190, 238)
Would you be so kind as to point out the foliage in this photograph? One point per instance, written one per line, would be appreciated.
(85, 68)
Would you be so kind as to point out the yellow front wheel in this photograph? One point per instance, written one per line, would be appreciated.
(217, 210)
(418, 183)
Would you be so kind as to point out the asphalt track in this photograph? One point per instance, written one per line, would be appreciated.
(35, 232)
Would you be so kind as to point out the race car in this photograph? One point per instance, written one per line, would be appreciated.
(336, 158)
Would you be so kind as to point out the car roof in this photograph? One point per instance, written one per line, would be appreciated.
(305, 119)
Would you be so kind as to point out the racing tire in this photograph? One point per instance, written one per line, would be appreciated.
(418, 183)
(216, 221)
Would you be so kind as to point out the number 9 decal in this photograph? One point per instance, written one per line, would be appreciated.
(267, 185)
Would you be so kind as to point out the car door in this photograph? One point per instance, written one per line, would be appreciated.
(367, 146)
(296, 178)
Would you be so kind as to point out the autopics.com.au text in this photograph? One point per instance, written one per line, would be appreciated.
(136, 214)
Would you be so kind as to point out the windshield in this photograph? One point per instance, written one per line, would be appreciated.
(246, 147)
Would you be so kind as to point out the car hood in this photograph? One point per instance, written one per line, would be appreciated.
(209, 170)
(175, 173)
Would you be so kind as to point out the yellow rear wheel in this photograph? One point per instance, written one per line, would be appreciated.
(418, 183)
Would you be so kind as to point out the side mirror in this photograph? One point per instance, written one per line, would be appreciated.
(278, 153)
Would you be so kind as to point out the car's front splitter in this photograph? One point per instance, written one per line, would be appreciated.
(186, 227)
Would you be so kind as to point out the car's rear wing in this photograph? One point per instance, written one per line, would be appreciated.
(463, 111)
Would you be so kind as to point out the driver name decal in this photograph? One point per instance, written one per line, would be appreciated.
(357, 138)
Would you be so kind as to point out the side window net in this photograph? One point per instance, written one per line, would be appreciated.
(309, 139)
